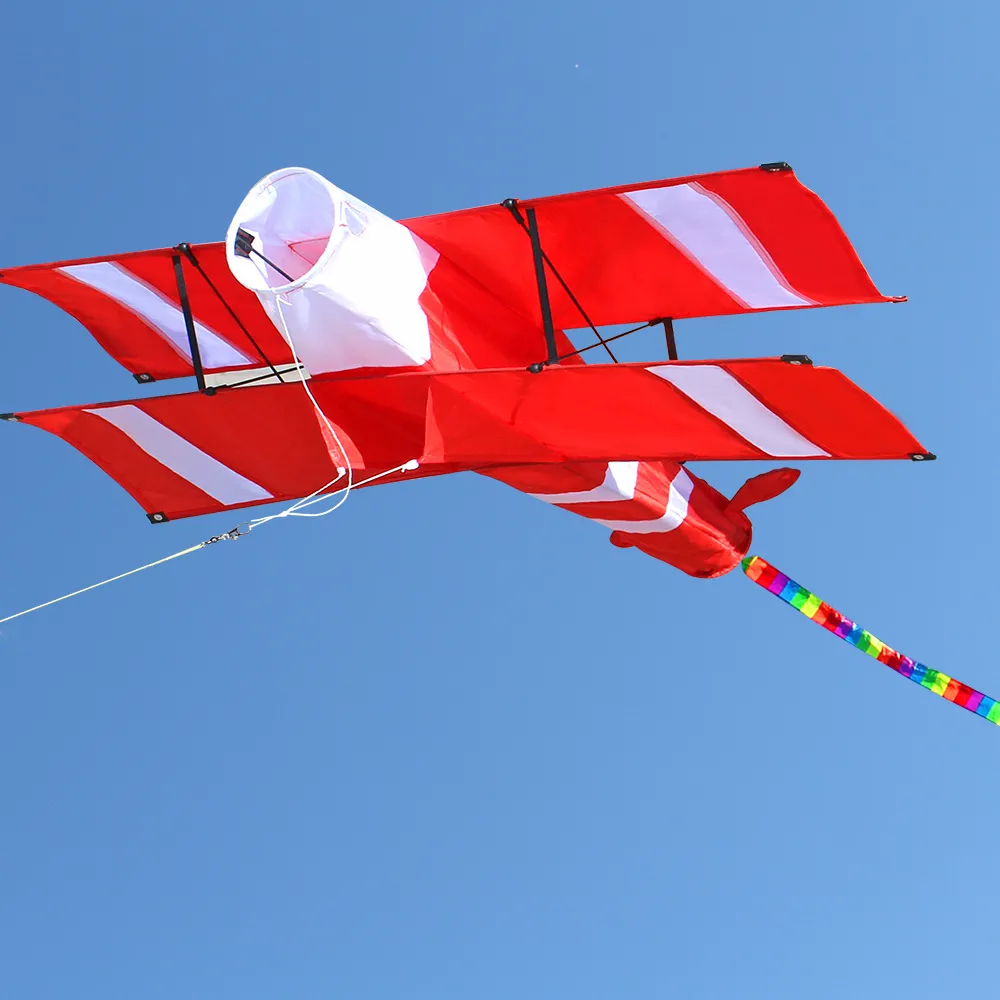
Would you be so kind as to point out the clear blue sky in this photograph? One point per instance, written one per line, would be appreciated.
(450, 743)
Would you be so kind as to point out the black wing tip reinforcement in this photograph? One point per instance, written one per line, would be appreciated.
(778, 167)
(9, 416)
(158, 518)
(923, 456)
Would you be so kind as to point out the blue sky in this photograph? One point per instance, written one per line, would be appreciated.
(450, 743)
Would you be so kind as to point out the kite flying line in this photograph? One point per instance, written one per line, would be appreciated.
(159, 562)
(291, 511)
(295, 509)
(765, 575)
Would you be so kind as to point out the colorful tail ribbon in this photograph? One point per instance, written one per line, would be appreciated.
(764, 574)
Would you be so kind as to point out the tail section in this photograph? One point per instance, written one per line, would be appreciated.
(660, 508)
(766, 486)
(713, 534)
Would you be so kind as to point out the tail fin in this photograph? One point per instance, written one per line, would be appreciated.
(766, 486)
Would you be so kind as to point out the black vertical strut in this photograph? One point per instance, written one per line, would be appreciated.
(543, 291)
(185, 248)
(668, 329)
(199, 372)
(536, 246)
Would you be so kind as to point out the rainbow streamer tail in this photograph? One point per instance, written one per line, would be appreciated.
(766, 576)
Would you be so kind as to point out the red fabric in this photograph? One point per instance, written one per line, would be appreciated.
(470, 420)
(470, 326)
(766, 486)
(621, 268)
(711, 541)
(481, 300)
(128, 338)
(829, 618)
(622, 411)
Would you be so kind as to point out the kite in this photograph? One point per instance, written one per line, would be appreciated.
(334, 348)
(437, 345)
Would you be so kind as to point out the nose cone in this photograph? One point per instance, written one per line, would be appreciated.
(339, 280)
(293, 218)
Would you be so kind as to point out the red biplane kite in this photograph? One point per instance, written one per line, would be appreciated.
(441, 339)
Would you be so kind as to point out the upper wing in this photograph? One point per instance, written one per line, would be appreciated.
(738, 241)
(131, 304)
(730, 242)
(193, 454)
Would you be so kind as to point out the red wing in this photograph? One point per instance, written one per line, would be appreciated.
(193, 454)
(131, 305)
(731, 242)
(738, 241)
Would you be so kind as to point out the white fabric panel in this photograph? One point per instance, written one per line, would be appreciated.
(715, 390)
(705, 228)
(182, 457)
(673, 516)
(357, 276)
(245, 378)
(619, 484)
(158, 311)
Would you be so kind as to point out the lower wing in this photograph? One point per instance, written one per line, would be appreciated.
(192, 454)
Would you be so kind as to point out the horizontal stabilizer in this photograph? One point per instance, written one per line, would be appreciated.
(764, 487)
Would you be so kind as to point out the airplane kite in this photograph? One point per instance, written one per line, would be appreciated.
(437, 345)
(330, 343)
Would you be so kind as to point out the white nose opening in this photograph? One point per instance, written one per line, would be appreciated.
(296, 219)
(339, 280)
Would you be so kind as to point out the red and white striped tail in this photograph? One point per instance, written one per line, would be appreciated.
(660, 508)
